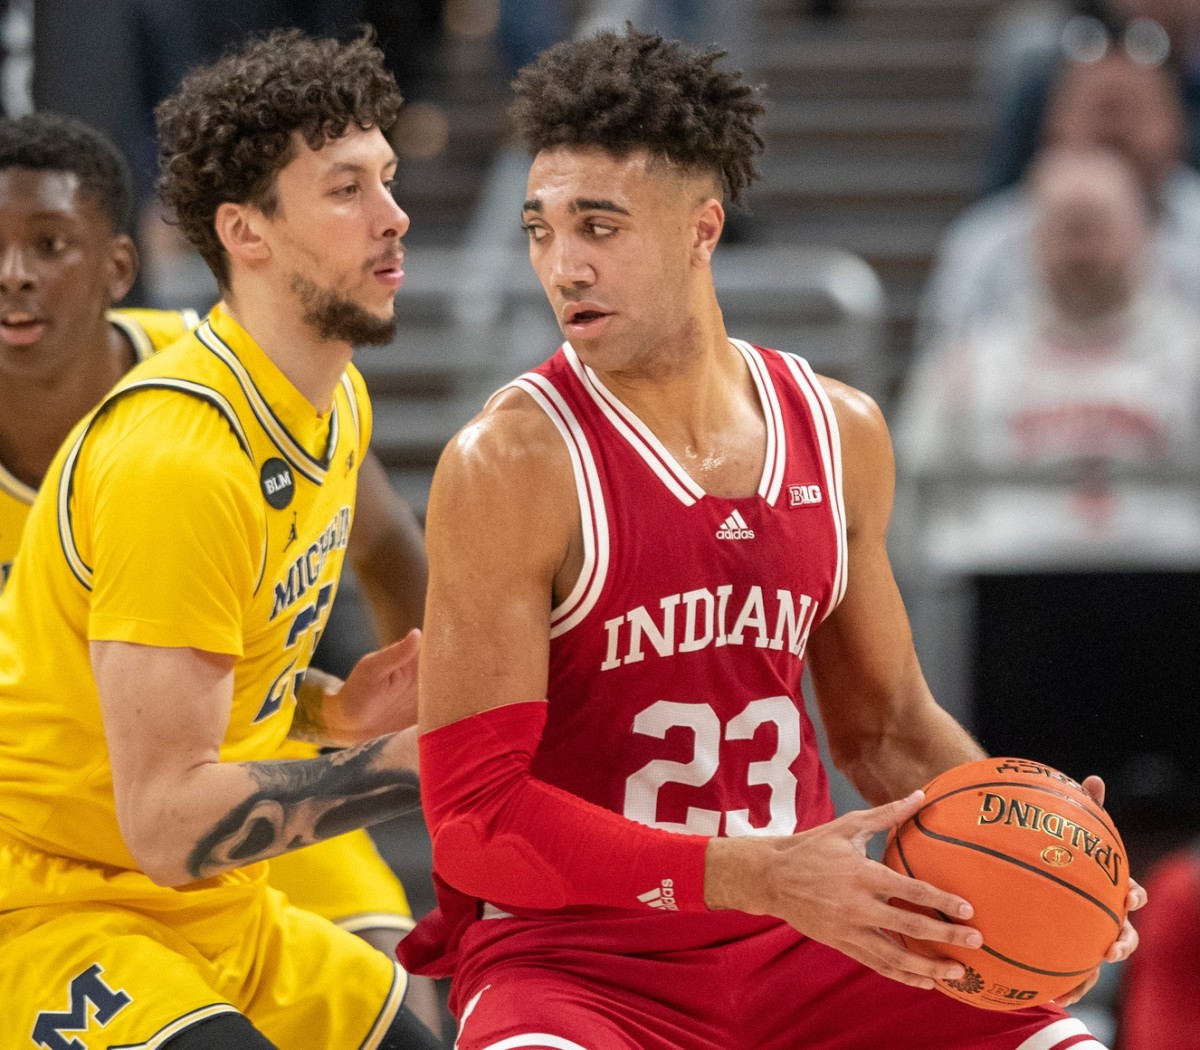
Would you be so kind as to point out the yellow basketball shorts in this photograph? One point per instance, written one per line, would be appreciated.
(345, 880)
(104, 972)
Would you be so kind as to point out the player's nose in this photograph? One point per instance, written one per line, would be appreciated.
(394, 220)
(569, 265)
(15, 272)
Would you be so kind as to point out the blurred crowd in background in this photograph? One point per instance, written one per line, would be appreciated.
(1022, 179)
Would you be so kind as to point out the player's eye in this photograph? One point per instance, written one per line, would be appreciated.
(51, 245)
(349, 190)
(534, 232)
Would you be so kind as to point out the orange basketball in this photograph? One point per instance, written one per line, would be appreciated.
(1041, 863)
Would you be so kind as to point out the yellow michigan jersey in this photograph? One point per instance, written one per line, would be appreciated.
(204, 503)
(344, 879)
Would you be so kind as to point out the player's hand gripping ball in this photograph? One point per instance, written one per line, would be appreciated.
(1040, 861)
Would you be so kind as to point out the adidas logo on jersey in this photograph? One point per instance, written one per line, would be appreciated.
(735, 528)
(661, 897)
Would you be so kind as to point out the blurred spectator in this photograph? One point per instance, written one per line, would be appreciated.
(984, 263)
(1036, 430)
(1032, 44)
(109, 64)
(410, 32)
(1158, 1004)
(527, 27)
(16, 57)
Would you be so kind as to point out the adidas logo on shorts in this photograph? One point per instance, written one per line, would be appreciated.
(661, 897)
(735, 528)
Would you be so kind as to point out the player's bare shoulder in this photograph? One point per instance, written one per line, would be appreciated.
(868, 467)
(508, 469)
(857, 412)
(511, 443)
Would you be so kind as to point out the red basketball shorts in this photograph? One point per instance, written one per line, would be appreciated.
(770, 990)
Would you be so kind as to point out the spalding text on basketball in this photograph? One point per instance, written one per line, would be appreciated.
(996, 809)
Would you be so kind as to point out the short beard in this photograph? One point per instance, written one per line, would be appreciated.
(335, 318)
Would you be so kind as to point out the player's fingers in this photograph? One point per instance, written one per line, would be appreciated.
(1137, 896)
(925, 927)
(877, 959)
(1094, 786)
(889, 815)
(890, 958)
(913, 980)
(1125, 944)
(378, 665)
(1079, 991)
(923, 895)
(405, 652)
(897, 973)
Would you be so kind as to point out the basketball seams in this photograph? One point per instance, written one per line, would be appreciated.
(1033, 969)
(895, 841)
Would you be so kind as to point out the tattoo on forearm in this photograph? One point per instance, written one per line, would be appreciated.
(304, 801)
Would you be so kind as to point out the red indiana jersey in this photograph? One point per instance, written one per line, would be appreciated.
(675, 699)
(675, 663)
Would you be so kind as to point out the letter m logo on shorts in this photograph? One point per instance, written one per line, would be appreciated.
(90, 999)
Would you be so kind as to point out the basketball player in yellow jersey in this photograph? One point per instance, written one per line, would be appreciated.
(176, 570)
(143, 331)
(64, 198)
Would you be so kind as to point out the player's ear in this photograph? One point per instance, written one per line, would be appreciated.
(708, 224)
(122, 266)
(239, 228)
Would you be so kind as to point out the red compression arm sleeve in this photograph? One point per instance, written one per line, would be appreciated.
(505, 837)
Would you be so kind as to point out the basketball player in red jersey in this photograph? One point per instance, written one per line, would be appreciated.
(632, 551)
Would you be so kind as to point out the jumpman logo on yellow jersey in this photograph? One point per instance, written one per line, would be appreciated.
(292, 534)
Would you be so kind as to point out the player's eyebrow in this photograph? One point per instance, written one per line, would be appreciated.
(50, 213)
(343, 167)
(580, 204)
(597, 204)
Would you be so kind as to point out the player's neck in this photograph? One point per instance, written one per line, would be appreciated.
(706, 411)
(683, 378)
(312, 365)
(42, 406)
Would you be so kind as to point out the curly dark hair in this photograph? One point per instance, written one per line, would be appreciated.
(227, 130)
(53, 142)
(632, 91)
